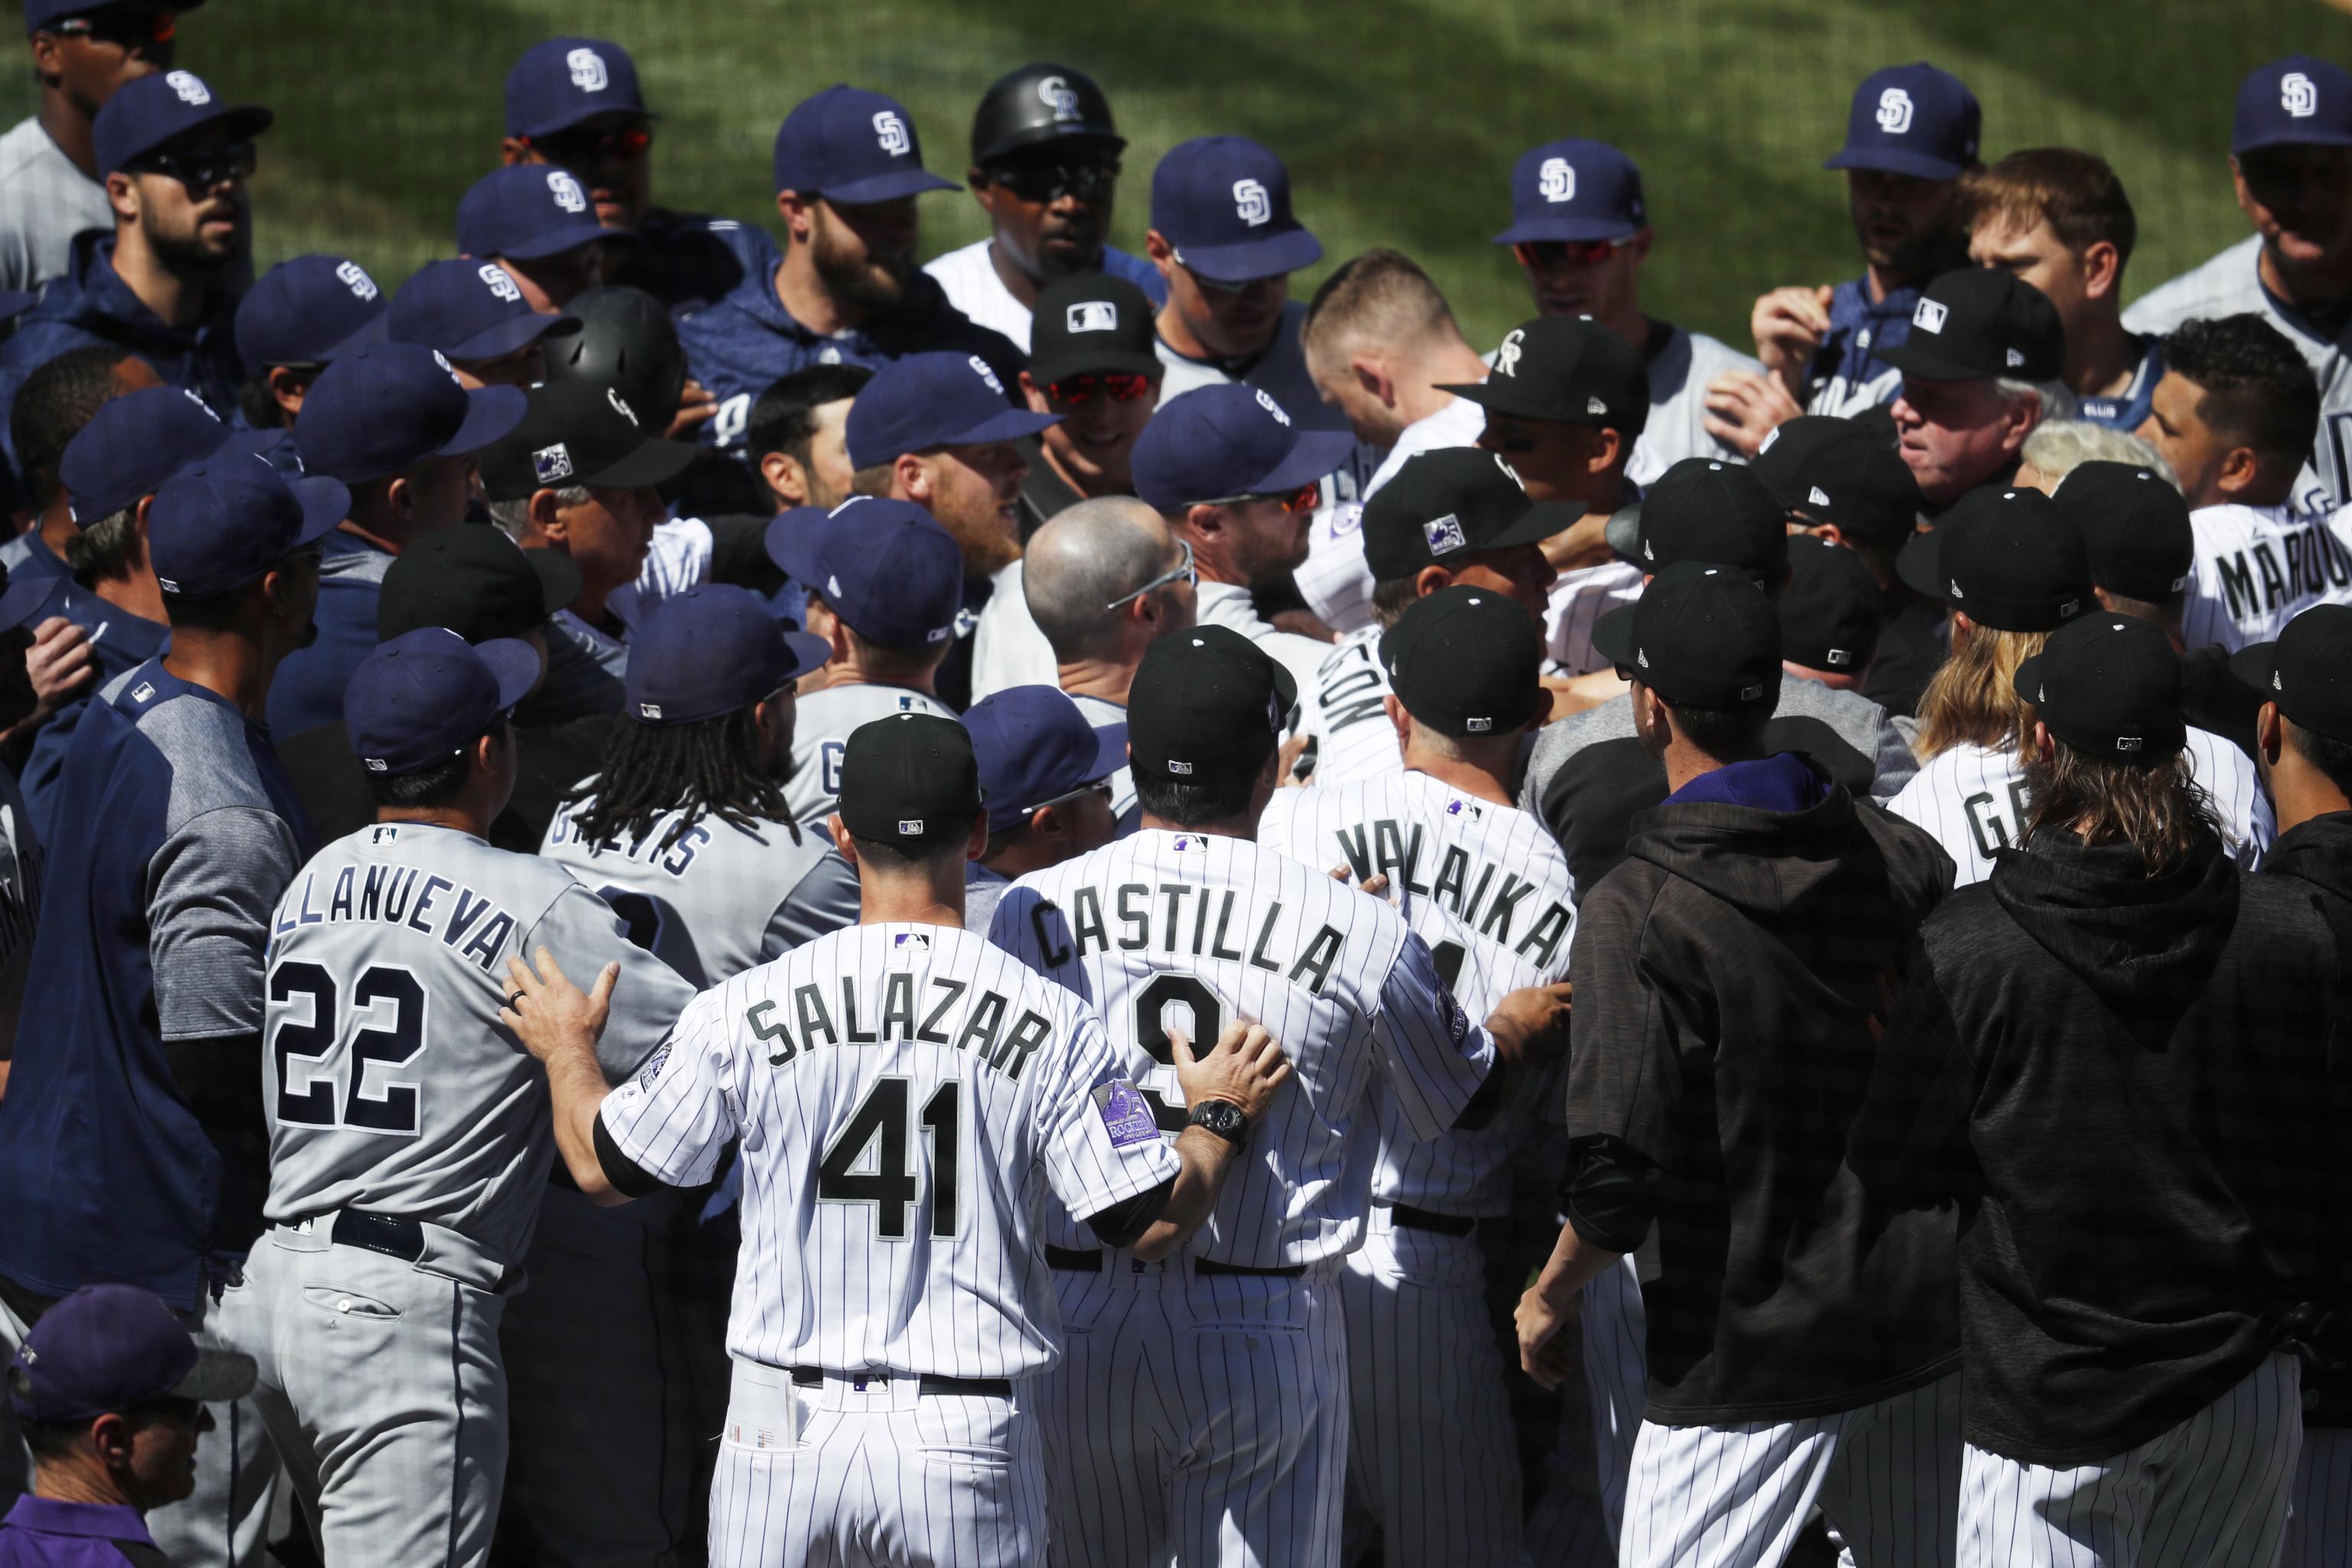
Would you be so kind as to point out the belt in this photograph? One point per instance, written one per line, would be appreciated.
(1090, 1260)
(388, 1234)
(1412, 1219)
(983, 1387)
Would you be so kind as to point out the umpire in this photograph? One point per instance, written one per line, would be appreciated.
(2113, 1055)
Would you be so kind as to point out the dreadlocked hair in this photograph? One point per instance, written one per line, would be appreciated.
(711, 765)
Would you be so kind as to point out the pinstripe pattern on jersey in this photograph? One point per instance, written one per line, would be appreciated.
(2258, 567)
(1579, 599)
(786, 1056)
(2212, 1490)
(1353, 738)
(2319, 1531)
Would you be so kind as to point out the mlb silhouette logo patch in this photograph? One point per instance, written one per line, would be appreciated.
(1092, 316)
(552, 463)
(1929, 317)
(1444, 534)
(910, 826)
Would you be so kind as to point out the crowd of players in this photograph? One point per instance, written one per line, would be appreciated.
(1033, 814)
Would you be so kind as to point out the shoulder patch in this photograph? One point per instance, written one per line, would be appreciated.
(1126, 1114)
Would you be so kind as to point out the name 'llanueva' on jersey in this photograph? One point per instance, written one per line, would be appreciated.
(798, 1026)
(1467, 888)
(1211, 931)
(404, 896)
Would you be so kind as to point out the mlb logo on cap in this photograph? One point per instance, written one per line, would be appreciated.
(1930, 316)
(1093, 316)
(910, 826)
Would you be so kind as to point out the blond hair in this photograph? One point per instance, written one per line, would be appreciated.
(1972, 697)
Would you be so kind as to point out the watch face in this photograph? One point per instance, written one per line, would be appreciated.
(1220, 1117)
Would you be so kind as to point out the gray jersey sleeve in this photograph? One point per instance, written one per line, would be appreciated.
(210, 890)
(581, 929)
(821, 902)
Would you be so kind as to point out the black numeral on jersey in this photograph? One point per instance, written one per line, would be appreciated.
(641, 916)
(890, 1182)
(1448, 956)
(391, 1003)
(1151, 1032)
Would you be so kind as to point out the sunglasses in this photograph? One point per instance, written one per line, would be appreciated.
(1543, 255)
(201, 168)
(1119, 386)
(1100, 787)
(624, 146)
(1183, 571)
(1306, 497)
(1050, 182)
(127, 26)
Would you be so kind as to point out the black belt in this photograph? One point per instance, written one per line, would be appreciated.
(388, 1234)
(981, 1387)
(1412, 1219)
(1090, 1260)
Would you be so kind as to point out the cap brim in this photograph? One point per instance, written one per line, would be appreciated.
(1920, 565)
(1106, 362)
(566, 236)
(581, 110)
(514, 665)
(1926, 365)
(1889, 160)
(1286, 687)
(1010, 425)
(219, 1377)
(2293, 138)
(2254, 664)
(791, 541)
(1501, 394)
(1536, 231)
(1270, 256)
(809, 652)
(1623, 532)
(656, 461)
(325, 503)
(887, 187)
(23, 601)
(558, 578)
(503, 337)
(1613, 636)
(491, 412)
(1315, 454)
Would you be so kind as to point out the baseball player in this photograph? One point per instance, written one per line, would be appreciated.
(1202, 1406)
(408, 1143)
(887, 579)
(881, 1407)
(1800, 1344)
(1045, 768)
(2292, 122)
(2117, 1054)
(1471, 872)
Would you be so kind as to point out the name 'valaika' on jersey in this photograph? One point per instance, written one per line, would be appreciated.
(1195, 931)
(907, 1095)
(388, 1081)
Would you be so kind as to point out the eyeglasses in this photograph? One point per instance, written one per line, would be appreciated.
(625, 145)
(1119, 386)
(1182, 572)
(1050, 182)
(201, 168)
(1100, 787)
(1306, 497)
(126, 26)
(1544, 255)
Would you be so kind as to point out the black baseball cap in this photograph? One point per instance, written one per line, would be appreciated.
(1980, 321)
(1838, 471)
(2006, 559)
(2308, 671)
(1701, 635)
(1465, 661)
(1091, 322)
(2109, 686)
(2135, 526)
(910, 780)
(1829, 612)
(1206, 704)
(1702, 510)
(578, 433)
(1568, 368)
(1447, 503)
(474, 581)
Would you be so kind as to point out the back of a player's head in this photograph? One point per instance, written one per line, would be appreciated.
(2306, 676)
(2258, 391)
(1380, 299)
(1093, 555)
(910, 796)
(1204, 723)
(55, 401)
(2058, 446)
(1972, 697)
(1466, 665)
(1704, 641)
(783, 418)
(2077, 194)
(2106, 689)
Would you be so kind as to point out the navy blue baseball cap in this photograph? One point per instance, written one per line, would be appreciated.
(1574, 189)
(110, 1348)
(420, 699)
(529, 211)
(1912, 120)
(887, 567)
(2298, 101)
(1223, 202)
(469, 310)
(301, 312)
(711, 651)
(854, 148)
(132, 445)
(150, 111)
(933, 400)
(1034, 749)
(1216, 442)
(380, 408)
(39, 14)
(15, 302)
(221, 523)
(562, 81)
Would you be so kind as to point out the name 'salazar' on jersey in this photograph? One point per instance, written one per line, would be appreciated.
(1463, 885)
(397, 895)
(904, 1016)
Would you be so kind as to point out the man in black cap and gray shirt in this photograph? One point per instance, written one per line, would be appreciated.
(2113, 1058)
(1731, 973)
(1981, 369)
(1590, 773)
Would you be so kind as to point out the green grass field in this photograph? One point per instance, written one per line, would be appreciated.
(1399, 120)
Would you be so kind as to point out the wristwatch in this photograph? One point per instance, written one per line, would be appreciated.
(1223, 1118)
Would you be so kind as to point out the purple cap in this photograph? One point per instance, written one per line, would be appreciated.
(1036, 747)
(1574, 189)
(1911, 120)
(132, 445)
(852, 147)
(421, 698)
(111, 1348)
(301, 312)
(886, 567)
(469, 310)
(1231, 440)
(1224, 203)
(562, 81)
(150, 111)
(711, 651)
(2296, 101)
(933, 400)
(219, 524)
(529, 211)
(379, 409)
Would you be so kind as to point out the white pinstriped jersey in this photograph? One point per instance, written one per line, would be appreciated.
(1198, 930)
(1353, 737)
(820, 731)
(1579, 598)
(907, 1095)
(2257, 568)
(1488, 890)
(1973, 800)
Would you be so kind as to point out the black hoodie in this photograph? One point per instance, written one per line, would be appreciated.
(2121, 1080)
(1730, 975)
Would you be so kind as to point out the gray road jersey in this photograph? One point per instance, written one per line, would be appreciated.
(821, 734)
(1102, 712)
(387, 1079)
(719, 900)
(1676, 428)
(45, 201)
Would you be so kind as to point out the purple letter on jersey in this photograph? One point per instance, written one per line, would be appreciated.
(1127, 1115)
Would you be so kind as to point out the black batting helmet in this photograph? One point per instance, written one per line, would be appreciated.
(626, 342)
(1039, 103)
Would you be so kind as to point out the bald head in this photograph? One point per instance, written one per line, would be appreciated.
(1096, 554)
